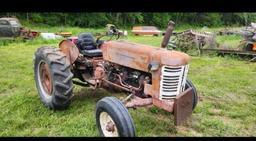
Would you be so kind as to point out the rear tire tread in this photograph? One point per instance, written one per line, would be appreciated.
(61, 74)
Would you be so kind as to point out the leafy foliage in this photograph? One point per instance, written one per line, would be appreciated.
(160, 20)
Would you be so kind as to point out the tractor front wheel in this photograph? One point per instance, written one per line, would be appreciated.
(113, 118)
(53, 77)
(189, 84)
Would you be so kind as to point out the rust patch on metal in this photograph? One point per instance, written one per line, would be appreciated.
(155, 89)
(46, 78)
(139, 56)
(183, 106)
(115, 85)
(69, 49)
(99, 72)
(148, 89)
(139, 102)
(96, 61)
(166, 105)
(168, 34)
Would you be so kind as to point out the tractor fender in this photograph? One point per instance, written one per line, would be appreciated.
(69, 49)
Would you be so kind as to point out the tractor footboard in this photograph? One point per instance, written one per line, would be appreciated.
(183, 106)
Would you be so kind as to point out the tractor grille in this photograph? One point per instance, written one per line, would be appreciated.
(173, 80)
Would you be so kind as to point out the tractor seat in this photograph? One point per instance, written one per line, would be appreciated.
(87, 45)
(92, 53)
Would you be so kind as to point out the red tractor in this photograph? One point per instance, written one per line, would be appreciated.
(149, 75)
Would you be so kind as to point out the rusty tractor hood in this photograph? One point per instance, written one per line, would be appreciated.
(139, 56)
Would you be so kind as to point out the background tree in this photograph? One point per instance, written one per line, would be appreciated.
(160, 20)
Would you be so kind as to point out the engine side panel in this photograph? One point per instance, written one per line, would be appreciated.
(128, 55)
(139, 56)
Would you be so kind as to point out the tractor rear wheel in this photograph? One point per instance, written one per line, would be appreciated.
(189, 84)
(53, 77)
(113, 118)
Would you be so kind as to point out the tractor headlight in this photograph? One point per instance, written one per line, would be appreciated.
(153, 66)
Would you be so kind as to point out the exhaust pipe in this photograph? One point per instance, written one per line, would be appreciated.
(168, 34)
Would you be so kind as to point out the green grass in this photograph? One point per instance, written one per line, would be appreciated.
(226, 87)
(230, 41)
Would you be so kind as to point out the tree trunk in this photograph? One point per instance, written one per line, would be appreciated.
(27, 18)
(65, 16)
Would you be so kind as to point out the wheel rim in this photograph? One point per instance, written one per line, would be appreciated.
(107, 125)
(45, 81)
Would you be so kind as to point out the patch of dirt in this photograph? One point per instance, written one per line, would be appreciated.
(216, 111)
(7, 92)
(93, 94)
(183, 130)
(216, 99)
(239, 98)
(227, 120)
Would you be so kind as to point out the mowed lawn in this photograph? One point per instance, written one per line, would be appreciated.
(226, 87)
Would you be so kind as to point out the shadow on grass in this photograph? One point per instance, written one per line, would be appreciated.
(87, 94)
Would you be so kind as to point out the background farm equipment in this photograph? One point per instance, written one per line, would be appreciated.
(50, 36)
(246, 47)
(228, 31)
(192, 42)
(111, 29)
(64, 34)
(146, 30)
(195, 43)
(10, 28)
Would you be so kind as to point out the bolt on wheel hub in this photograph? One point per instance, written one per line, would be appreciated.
(108, 126)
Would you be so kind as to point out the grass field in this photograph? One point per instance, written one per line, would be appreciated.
(226, 87)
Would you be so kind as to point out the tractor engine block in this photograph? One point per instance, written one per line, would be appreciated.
(127, 77)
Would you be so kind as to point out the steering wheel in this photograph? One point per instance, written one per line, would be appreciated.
(112, 31)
